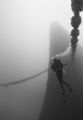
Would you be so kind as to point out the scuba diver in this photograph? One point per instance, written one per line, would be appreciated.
(58, 67)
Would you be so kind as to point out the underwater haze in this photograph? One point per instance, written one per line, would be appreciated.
(29, 37)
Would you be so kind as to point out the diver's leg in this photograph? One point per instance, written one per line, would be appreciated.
(60, 77)
(63, 92)
(62, 87)
(69, 87)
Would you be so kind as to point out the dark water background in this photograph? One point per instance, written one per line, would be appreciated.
(53, 106)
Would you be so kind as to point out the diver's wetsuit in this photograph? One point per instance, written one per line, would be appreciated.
(58, 67)
(59, 73)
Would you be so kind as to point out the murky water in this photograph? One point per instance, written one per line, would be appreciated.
(24, 48)
(25, 101)
(28, 38)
